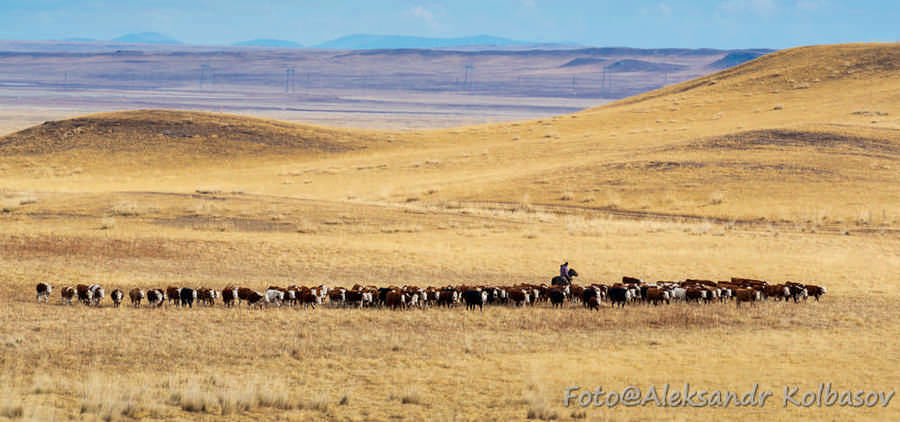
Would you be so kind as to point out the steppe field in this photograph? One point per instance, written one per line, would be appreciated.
(784, 168)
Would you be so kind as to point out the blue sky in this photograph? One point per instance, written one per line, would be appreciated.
(639, 23)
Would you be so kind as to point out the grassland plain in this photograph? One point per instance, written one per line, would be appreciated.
(748, 172)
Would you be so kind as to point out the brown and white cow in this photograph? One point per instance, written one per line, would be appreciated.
(308, 298)
(68, 294)
(254, 298)
(207, 296)
(815, 291)
(97, 294)
(229, 296)
(43, 291)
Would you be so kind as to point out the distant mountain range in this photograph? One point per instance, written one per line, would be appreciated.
(377, 42)
(146, 38)
(352, 42)
(263, 42)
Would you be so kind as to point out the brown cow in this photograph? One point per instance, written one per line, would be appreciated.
(593, 303)
(174, 295)
(394, 299)
(655, 295)
(136, 295)
(746, 295)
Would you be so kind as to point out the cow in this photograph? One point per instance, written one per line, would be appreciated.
(68, 294)
(447, 297)
(117, 297)
(254, 298)
(518, 296)
(43, 291)
(557, 297)
(394, 299)
(274, 297)
(592, 303)
(244, 293)
(173, 294)
(207, 296)
(797, 291)
(815, 291)
(746, 295)
(84, 293)
(351, 298)
(695, 294)
(619, 295)
(655, 295)
(136, 295)
(473, 298)
(156, 297)
(187, 296)
(337, 297)
(588, 293)
(777, 292)
(308, 298)
(229, 296)
(97, 294)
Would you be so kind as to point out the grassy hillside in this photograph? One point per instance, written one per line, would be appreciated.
(802, 133)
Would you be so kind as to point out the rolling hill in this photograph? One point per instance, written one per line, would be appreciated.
(788, 136)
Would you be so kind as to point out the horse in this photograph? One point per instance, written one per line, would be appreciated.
(563, 281)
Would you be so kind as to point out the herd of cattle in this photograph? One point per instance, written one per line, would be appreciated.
(629, 291)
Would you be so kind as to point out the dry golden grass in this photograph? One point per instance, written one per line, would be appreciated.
(700, 180)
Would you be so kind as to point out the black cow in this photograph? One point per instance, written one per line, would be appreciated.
(473, 298)
(617, 295)
(586, 296)
(557, 297)
(188, 296)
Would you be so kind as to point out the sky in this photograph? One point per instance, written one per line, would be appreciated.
(723, 24)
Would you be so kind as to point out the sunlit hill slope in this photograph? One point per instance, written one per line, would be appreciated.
(801, 135)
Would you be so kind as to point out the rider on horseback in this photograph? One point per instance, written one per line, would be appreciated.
(564, 272)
